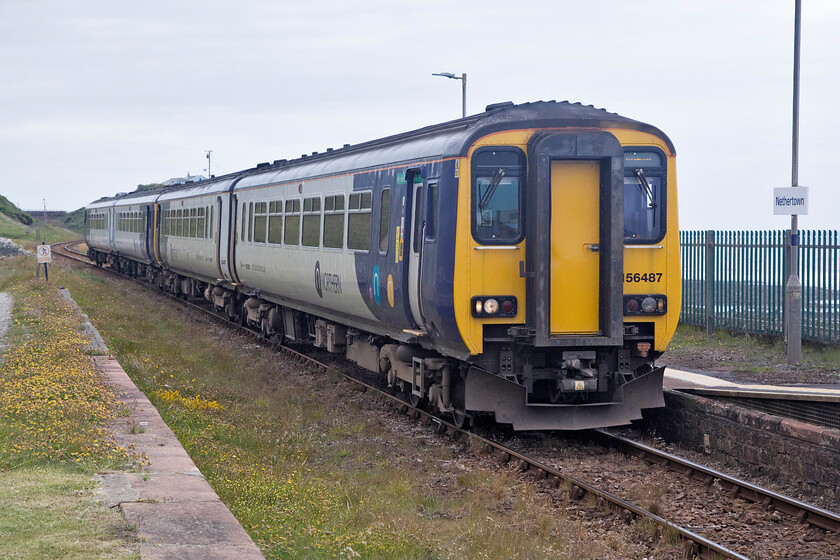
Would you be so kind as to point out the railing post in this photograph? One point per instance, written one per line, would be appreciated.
(709, 289)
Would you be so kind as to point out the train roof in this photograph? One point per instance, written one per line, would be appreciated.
(211, 186)
(448, 139)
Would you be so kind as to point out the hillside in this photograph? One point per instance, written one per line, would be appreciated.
(75, 220)
(9, 209)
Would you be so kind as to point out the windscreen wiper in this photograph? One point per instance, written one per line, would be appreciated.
(644, 187)
(494, 183)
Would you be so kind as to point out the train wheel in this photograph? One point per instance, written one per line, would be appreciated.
(461, 419)
(413, 399)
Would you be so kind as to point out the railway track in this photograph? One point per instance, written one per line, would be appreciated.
(537, 463)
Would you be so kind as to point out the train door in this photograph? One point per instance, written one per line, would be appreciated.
(575, 232)
(414, 221)
(233, 236)
(575, 249)
(221, 231)
(112, 228)
(149, 233)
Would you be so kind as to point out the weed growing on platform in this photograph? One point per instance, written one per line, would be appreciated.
(53, 403)
(53, 411)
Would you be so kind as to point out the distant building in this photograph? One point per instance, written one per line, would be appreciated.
(182, 180)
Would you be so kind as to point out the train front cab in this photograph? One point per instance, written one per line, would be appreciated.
(580, 302)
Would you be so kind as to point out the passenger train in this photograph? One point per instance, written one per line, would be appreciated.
(522, 262)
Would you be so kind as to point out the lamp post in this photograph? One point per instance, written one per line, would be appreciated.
(463, 78)
(793, 289)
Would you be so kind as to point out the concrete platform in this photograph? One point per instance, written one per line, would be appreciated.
(707, 384)
(176, 513)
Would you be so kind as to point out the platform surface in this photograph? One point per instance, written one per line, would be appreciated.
(706, 383)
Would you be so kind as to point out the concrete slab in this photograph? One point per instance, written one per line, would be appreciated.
(169, 552)
(186, 523)
(170, 487)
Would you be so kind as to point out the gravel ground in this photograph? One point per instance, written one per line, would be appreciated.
(752, 363)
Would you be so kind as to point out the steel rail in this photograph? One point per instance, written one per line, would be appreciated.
(694, 544)
(803, 512)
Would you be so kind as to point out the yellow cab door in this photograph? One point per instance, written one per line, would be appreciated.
(575, 250)
(575, 230)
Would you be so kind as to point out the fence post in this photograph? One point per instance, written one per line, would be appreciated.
(709, 284)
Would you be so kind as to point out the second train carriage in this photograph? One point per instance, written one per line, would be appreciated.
(522, 262)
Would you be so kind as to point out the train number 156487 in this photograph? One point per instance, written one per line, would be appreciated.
(632, 277)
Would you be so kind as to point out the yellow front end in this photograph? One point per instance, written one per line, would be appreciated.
(490, 270)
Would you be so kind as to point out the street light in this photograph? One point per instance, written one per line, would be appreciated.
(463, 78)
(793, 288)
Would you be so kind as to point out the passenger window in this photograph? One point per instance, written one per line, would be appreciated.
(260, 219)
(311, 222)
(497, 195)
(359, 220)
(291, 230)
(431, 213)
(275, 222)
(385, 220)
(193, 223)
(334, 221)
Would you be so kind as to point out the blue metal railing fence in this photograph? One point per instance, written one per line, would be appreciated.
(735, 280)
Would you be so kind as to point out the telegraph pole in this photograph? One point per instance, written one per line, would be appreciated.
(209, 174)
(793, 289)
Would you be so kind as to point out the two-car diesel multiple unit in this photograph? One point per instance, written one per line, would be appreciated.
(522, 262)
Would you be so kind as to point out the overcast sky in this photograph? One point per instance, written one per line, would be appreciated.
(98, 96)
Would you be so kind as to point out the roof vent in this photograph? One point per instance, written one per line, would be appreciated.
(280, 161)
(346, 145)
(329, 150)
(261, 165)
(502, 105)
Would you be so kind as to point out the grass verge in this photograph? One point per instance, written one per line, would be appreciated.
(53, 410)
(751, 357)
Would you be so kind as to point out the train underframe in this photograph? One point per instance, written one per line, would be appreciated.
(519, 384)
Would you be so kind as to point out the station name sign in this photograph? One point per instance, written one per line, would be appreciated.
(790, 200)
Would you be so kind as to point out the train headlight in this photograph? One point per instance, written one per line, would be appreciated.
(645, 304)
(491, 306)
(494, 306)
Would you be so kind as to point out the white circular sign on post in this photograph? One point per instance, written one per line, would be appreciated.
(44, 254)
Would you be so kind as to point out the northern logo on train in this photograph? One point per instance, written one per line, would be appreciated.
(326, 281)
(318, 279)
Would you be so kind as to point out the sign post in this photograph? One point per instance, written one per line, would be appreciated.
(45, 257)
